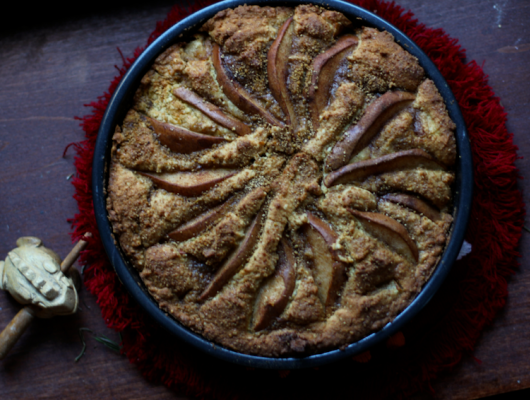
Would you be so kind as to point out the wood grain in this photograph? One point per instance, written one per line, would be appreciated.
(53, 61)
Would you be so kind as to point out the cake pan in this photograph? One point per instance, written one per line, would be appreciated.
(120, 103)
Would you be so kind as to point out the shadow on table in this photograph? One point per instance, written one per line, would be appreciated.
(23, 16)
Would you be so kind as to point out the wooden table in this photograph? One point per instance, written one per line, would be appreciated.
(53, 61)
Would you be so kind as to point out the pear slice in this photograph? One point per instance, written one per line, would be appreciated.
(406, 159)
(237, 94)
(181, 140)
(275, 294)
(323, 228)
(189, 183)
(199, 224)
(389, 231)
(415, 204)
(358, 136)
(278, 68)
(325, 66)
(329, 273)
(238, 258)
(211, 111)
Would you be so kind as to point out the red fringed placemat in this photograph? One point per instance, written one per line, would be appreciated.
(435, 340)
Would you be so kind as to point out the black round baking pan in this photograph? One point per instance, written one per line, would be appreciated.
(120, 104)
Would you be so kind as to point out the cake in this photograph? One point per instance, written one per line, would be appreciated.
(282, 181)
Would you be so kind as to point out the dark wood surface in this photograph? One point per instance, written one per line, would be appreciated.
(53, 61)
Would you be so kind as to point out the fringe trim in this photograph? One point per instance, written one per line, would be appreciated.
(477, 287)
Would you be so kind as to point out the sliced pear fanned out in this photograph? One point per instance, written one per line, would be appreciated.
(238, 258)
(237, 94)
(389, 231)
(190, 183)
(275, 294)
(212, 111)
(181, 140)
(401, 160)
(415, 204)
(358, 136)
(325, 66)
(197, 225)
(277, 69)
(328, 272)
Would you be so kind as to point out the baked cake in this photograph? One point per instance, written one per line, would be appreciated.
(282, 182)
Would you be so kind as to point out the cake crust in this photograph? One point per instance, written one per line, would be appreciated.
(282, 182)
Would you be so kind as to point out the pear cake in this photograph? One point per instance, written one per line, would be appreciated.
(282, 182)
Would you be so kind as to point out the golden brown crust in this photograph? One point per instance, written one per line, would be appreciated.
(246, 30)
(433, 125)
(381, 64)
(257, 193)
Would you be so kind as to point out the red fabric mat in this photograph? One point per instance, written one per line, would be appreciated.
(436, 340)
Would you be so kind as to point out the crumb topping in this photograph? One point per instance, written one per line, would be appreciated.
(283, 180)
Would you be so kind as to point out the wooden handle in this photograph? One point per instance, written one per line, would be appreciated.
(69, 260)
(14, 330)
